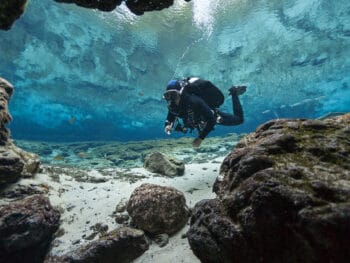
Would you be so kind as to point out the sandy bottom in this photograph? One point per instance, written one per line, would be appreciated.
(93, 199)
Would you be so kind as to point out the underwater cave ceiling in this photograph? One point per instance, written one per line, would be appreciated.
(10, 10)
(84, 74)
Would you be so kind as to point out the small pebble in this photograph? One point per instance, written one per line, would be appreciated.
(77, 241)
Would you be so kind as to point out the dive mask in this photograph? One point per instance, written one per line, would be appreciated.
(171, 95)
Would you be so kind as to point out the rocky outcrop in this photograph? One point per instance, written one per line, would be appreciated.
(10, 10)
(6, 90)
(14, 162)
(19, 191)
(103, 5)
(158, 209)
(121, 245)
(139, 7)
(135, 6)
(26, 229)
(283, 196)
(157, 162)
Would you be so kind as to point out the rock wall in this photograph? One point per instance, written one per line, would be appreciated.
(283, 196)
(14, 162)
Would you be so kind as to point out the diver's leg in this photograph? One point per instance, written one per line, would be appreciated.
(237, 117)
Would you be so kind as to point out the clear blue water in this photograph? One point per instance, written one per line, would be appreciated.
(84, 75)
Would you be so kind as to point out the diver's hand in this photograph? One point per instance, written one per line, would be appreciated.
(168, 128)
(197, 142)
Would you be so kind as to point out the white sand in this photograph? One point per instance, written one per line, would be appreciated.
(84, 204)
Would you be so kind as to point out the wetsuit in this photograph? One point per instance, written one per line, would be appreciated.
(196, 114)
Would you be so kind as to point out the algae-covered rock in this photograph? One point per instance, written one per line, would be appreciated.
(14, 162)
(157, 162)
(26, 229)
(158, 209)
(121, 245)
(283, 196)
(6, 90)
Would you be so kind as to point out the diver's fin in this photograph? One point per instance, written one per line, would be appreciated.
(237, 90)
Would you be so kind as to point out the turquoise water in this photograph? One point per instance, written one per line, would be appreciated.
(85, 75)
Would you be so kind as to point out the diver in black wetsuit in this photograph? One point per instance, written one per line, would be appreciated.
(195, 112)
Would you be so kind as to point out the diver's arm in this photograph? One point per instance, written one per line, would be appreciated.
(170, 118)
(169, 122)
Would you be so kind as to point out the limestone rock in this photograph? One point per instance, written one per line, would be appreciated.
(139, 7)
(121, 245)
(158, 209)
(6, 90)
(26, 229)
(10, 10)
(11, 166)
(18, 191)
(213, 236)
(57, 259)
(160, 163)
(135, 6)
(103, 5)
(14, 162)
(283, 196)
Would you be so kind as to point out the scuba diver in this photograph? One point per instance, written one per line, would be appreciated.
(196, 102)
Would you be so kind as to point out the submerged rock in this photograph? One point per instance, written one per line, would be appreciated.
(139, 7)
(103, 5)
(14, 162)
(283, 196)
(158, 209)
(121, 245)
(18, 191)
(10, 10)
(161, 240)
(135, 6)
(26, 229)
(6, 91)
(160, 163)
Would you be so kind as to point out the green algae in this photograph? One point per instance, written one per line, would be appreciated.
(100, 155)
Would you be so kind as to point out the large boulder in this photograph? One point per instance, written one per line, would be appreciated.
(157, 162)
(26, 229)
(14, 162)
(283, 196)
(158, 209)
